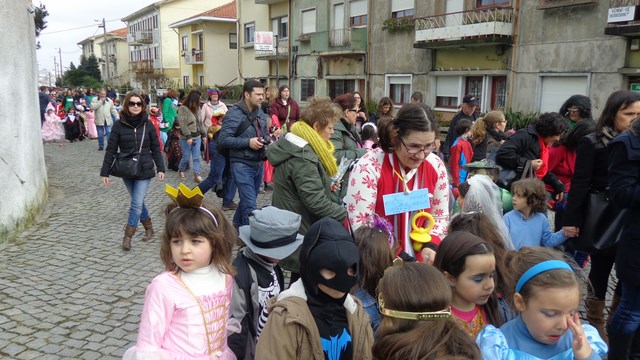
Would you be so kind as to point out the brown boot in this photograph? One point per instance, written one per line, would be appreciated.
(595, 316)
(129, 231)
(197, 178)
(615, 301)
(148, 230)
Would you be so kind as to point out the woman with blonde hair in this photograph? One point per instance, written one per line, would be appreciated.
(487, 134)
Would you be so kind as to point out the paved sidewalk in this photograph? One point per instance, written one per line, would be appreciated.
(67, 289)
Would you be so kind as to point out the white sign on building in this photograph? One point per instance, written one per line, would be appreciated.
(625, 13)
(263, 41)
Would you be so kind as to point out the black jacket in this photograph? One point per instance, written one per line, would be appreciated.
(125, 137)
(521, 147)
(451, 133)
(624, 182)
(590, 174)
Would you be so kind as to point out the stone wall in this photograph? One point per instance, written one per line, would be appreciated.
(22, 170)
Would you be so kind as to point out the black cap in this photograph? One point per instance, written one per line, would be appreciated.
(471, 100)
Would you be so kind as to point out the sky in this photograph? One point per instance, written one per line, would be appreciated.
(65, 15)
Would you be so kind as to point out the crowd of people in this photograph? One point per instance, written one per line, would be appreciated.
(398, 246)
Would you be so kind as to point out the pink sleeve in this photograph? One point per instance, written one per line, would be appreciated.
(275, 121)
(440, 200)
(363, 188)
(156, 316)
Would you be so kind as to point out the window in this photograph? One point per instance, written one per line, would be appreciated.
(201, 80)
(490, 3)
(185, 43)
(339, 87)
(556, 89)
(358, 13)
(249, 32)
(233, 40)
(447, 91)
(307, 88)
(309, 21)
(402, 8)
(498, 92)
(399, 88)
(185, 81)
(280, 27)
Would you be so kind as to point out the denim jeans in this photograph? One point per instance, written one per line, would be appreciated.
(163, 137)
(137, 190)
(102, 130)
(248, 180)
(188, 151)
(216, 173)
(626, 319)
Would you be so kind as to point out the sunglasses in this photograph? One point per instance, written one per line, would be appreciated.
(138, 104)
(354, 110)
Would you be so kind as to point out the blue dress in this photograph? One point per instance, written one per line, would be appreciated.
(514, 342)
(370, 305)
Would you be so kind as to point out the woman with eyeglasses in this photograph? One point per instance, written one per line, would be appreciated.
(487, 134)
(361, 114)
(285, 108)
(346, 141)
(576, 108)
(135, 129)
(401, 178)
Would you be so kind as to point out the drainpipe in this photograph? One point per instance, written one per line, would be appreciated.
(516, 24)
(367, 62)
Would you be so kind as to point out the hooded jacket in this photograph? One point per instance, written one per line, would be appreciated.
(291, 331)
(239, 149)
(300, 183)
(125, 138)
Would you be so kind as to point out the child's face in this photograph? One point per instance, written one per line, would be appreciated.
(520, 202)
(191, 253)
(545, 313)
(476, 283)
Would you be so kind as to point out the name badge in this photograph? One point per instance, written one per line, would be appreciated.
(400, 202)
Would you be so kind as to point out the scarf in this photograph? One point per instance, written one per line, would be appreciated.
(544, 156)
(323, 148)
(607, 134)
(425, 177)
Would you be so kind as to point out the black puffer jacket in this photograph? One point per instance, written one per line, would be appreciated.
(521, 147)
(126, 135)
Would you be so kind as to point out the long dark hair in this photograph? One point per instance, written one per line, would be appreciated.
(192, 101)
(571, 139)
(124, 113)
(618, 100)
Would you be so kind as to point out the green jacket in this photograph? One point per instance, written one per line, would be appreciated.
(345, 139)
(168, 113)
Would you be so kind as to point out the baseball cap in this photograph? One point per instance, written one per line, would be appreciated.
(471, 100)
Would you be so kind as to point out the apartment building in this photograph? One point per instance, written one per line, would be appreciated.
(253, 15)
(208, 47)
(112, 52)
(154, 47)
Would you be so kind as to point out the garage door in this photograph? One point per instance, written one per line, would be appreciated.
(556, 89)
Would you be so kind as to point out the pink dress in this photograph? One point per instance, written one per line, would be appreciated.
(91, 124)
(172, 324)
(52, 128)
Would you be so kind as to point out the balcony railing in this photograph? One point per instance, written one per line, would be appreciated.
(142, 65)
(623, 3)
(193, 56)
(550, 4)
(143, 37)
(340, 37)
(496, 22)
(622, 19)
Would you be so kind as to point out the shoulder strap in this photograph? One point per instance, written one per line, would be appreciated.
(244, 282)
(144, 132)
(243, 126)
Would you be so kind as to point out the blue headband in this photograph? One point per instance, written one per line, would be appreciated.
(540, 268)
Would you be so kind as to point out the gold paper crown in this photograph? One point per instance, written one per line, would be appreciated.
(411, 315)
(185, 197)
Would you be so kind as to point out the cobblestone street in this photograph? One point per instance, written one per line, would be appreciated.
(67, 289)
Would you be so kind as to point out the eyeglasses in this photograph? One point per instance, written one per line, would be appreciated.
(354, 110)
(138, 104)
(572, 110)
(414, 149)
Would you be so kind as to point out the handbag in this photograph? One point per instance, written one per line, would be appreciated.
(602, 223)
(506, 177)
(127, 166)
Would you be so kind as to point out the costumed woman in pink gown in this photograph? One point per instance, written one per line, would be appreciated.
(186, 308)
(52, 128)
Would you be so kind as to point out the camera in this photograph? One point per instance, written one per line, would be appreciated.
(265, 148)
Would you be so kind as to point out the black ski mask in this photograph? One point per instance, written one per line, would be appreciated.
(327, 244)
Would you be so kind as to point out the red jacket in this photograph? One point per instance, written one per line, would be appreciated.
(562, 163)
(461, 154)
(280, 110)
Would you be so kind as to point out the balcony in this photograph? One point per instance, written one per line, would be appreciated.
(142, 66)
(550, 4)
(466, 28)
(283, 51)
(623, 18)
(268, 2)
(142, 37)
(193, 57)
(340, 42)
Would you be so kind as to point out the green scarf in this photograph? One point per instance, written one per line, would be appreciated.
(323, 148)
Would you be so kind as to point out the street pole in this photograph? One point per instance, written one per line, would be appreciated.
(61, 70)
(55, 67)
(106, 48)
(277, 63)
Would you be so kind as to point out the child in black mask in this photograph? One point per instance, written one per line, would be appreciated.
(316, 318)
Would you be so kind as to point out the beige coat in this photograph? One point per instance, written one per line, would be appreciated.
(191, 125)
(103, 112)
(292, 333)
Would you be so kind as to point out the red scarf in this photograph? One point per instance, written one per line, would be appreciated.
(425, 177)
(544, 156)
